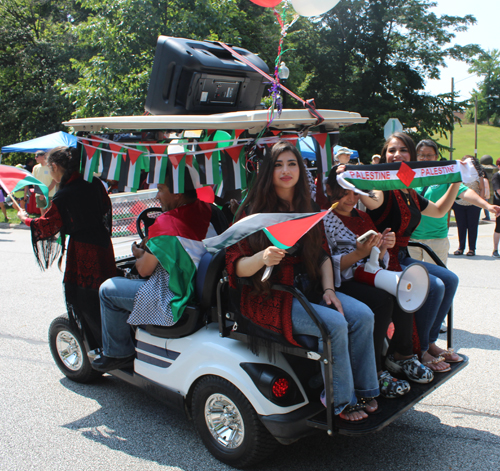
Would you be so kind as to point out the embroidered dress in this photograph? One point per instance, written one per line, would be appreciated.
(81, 210)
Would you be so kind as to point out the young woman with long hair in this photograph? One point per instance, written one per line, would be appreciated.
(401, 211)
(281, 186)
(342, 228)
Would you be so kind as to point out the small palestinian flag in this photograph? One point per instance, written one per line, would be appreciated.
(400, 175)
(158, 162)
(136, 158)
(209, 162)
(175, 239)
(325, 151)
(285, 235)
(13, 179)
(91, 154)
(253, 223)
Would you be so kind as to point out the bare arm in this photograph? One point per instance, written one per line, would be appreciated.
(472, 197)
(146, 262)
(329, 295)
(441, 207)
(373, 203)
(249, 266)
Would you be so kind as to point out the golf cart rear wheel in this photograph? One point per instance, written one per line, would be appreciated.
(228, 424)
(69, 352)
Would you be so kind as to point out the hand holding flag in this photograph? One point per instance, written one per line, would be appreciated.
(285, 235)
(13, 179)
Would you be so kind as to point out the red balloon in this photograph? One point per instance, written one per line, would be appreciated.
(266, 3)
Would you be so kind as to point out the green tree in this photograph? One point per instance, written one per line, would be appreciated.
(487, 66)
(35, 46)
(121, 39)
(373, 57)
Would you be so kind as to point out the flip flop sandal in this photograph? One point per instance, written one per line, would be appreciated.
(435, 362)
(470, 253)
(447, 356)
(458, 252)
(357, 407)
(365, 401)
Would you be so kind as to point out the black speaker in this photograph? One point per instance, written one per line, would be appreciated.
(201, 77)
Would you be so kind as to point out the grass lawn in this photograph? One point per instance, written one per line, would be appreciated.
(12, 215)
(488, 141)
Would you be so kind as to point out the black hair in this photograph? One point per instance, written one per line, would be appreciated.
(66, 159)
(406, 140)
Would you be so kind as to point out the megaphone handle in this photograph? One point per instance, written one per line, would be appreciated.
(267, 273)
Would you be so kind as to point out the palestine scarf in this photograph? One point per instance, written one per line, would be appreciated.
(401, 175)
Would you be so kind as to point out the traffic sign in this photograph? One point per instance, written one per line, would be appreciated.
(393, 125)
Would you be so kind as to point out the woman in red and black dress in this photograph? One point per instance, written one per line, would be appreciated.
(81, 210)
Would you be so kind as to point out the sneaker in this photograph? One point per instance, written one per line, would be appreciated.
(411, 367)
(391, 387)
(495, 254)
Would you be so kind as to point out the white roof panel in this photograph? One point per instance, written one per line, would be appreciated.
(254, 121)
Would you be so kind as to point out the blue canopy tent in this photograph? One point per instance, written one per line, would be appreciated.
(354, 155)
(43, 143)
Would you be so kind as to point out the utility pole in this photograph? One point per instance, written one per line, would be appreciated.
(453, 116)
(475, 126)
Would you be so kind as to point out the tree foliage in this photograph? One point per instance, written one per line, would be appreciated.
(85, 58)
(487, 66)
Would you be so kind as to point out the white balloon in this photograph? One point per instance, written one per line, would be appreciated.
(313, 7)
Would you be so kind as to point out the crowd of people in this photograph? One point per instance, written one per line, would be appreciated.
(322, 265)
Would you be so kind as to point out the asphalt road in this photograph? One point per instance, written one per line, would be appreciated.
(50, 423)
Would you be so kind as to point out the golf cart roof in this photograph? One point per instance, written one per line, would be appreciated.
(253, 121)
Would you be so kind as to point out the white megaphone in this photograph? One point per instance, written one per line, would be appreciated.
(410, 287)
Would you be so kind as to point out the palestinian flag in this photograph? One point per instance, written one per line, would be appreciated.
(158, 163)
(13, 179)
(325, 151)
(115, 164)
(175, 239)
(209, 162)
(285, 235)
(256, 222)
(233, 168)
(400, 175)
(175, 172)
(136, 158)
(91, 156)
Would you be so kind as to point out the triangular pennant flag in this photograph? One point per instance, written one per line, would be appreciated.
(158, 149)
(234, 152)
(134, 155)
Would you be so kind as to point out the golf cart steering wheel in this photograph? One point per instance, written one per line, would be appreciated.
(146, 219)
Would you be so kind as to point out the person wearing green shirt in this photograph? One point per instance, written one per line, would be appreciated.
(434, 231)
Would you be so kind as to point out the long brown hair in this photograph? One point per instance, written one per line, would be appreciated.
(406, 140)
(263, 198)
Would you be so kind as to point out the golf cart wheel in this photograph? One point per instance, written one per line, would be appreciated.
(228, 424)
(69, 352)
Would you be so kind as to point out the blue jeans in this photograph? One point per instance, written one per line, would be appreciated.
(117, 301)
(353, 368)
(442, 289)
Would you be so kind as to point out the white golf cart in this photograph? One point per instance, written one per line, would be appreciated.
(244, 396)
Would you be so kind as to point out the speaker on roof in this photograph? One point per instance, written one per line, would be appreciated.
(201, 77)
